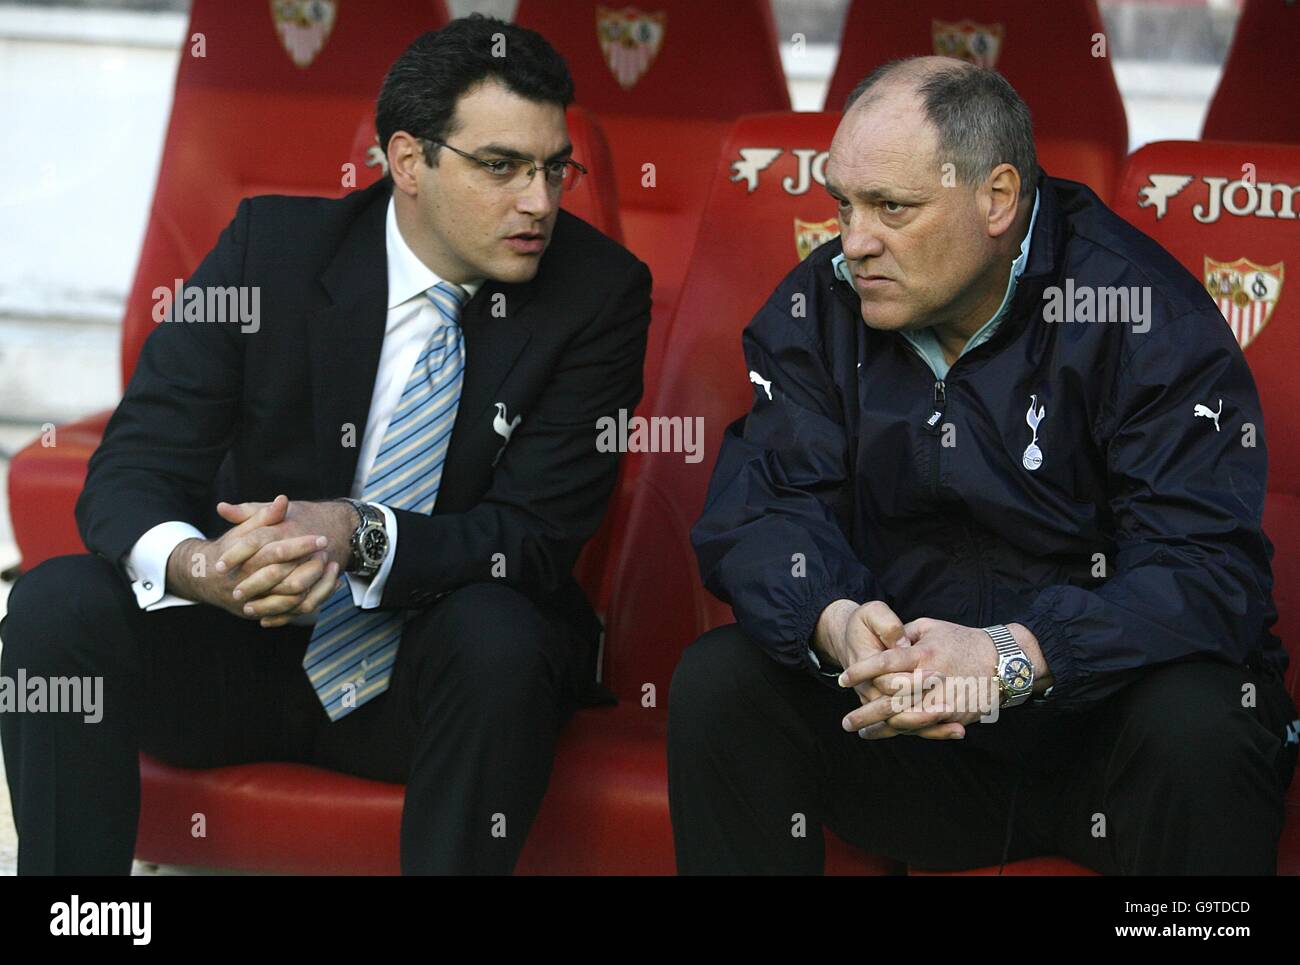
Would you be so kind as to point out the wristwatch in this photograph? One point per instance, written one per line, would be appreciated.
(1015, 673)
(369, 540)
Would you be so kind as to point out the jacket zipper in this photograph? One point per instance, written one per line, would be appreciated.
(935, 424)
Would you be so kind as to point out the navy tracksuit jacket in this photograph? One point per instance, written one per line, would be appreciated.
(1135, 541)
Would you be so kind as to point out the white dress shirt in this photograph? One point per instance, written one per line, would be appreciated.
(410, 321)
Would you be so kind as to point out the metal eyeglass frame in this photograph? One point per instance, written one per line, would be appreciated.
(567, 182)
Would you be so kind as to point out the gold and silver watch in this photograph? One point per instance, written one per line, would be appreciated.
(1015, 673)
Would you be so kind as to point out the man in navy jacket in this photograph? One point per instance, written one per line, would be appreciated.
(1026, 491)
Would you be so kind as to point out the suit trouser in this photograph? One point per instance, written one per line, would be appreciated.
(480, 689)
(1172, 775)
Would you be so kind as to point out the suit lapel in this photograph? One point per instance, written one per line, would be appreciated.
(345, 339)
(496, 328)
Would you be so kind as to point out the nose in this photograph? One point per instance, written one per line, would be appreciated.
(537, 199)
(860, 239)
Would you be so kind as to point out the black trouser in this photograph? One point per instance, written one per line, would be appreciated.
(482, 684)
(1172, 775)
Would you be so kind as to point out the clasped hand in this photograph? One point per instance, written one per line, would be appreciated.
(929, 678)
(278, 560)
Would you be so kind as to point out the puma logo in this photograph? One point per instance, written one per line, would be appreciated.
(1204, 410)
(762, 383)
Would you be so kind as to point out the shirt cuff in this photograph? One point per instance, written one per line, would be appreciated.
(146, 564)
(368, 592)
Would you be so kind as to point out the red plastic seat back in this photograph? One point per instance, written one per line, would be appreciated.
(1044, 51)
(664, 58)
(665, 79)
(1258, 98)
(761, 217)
(266, 102)
(1230, 212)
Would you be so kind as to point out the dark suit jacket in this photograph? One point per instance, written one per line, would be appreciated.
(214, 412)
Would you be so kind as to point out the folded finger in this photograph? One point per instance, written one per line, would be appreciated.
(321, 591)
(870, 713)
(263, 582)
(303, 576)
(289, 549)
(268, 606)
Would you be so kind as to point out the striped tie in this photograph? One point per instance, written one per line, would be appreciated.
(349, 659)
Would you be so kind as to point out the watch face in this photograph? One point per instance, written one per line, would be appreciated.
(1018, 674)
(374, 543)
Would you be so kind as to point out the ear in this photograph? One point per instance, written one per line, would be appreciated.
(1000, 199)
(405, 158)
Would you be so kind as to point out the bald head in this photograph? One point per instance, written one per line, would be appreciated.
(978, 119)
(899, 77)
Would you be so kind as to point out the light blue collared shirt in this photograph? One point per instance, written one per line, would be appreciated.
(924, 340)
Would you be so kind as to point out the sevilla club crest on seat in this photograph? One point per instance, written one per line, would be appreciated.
(303, 26)
(1246, 293)
(967, 40)
(630, 41)
(810, 234)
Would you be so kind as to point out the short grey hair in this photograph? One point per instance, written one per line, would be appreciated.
(979, 118)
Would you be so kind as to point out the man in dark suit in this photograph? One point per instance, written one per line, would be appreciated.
(409, 430)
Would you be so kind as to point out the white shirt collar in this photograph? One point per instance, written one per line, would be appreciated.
(408, 276)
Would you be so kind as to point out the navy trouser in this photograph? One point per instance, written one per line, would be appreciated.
(1171, 775)
(482, 684)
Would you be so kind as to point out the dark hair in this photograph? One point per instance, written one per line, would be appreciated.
(980, 120)
(423, 85)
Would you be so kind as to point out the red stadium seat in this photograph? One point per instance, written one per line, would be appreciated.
(1255, 100)
(665, 84)
(658, 605)
(1079, 125)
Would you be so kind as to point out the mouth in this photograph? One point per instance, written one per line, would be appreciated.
(871, 281)
(526, 242)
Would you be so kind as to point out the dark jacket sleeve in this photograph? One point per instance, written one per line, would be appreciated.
(549, 492)
(1190, 573)
(164, 442)
(771, 541)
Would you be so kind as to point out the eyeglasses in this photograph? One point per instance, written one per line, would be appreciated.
(516, 173)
